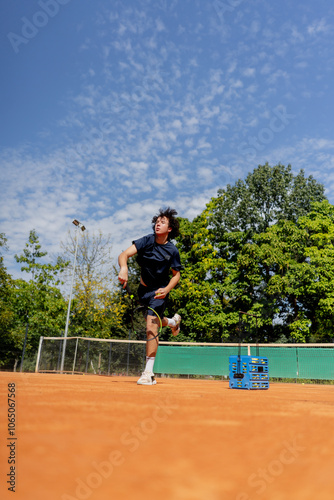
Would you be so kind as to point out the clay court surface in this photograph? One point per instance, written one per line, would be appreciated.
(105, 438)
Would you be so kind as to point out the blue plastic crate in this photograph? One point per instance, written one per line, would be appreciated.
(248, 372)
(246, 383)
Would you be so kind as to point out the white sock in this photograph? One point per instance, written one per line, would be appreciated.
(171, 322)
(149, 364)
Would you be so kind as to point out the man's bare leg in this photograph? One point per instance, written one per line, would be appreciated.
(151, 332)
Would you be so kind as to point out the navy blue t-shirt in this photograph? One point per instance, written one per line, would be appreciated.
(156, 260)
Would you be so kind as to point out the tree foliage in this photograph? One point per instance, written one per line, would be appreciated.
(32, 258)
(197, 297)
(267, 195)
(7, 317)
(36, 303)
(246, 252)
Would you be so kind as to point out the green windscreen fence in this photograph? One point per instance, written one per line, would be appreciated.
(284, 361)
(115, 356)
(194, 360)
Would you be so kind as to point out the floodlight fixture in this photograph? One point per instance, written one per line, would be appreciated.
(78, 224)
(82, 227)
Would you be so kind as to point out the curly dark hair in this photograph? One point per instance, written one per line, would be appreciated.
(170, 214)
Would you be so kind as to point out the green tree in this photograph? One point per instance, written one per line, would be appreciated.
(37, 302)
(43, 308)
(278, 260)
(294, 266)
(241, 252)
(319, 296)
(267, 195)
(32, 258)
(197, 297)
(8, 349)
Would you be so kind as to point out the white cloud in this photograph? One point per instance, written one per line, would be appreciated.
(266, 69)
(160, 25)
(249, 72)
(276, 75)
(205, 174)
(318, 26)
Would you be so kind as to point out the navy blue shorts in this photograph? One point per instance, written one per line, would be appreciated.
(146, 298)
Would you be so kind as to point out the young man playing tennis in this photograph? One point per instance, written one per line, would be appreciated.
(157, 256)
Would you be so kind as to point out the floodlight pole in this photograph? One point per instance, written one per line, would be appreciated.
(82, 227)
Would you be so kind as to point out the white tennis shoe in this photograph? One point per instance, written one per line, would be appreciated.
(176, 329)
(147, 378)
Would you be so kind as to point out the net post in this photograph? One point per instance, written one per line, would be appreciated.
(87, 355)
(75, 355)
(59, 355)
(128, 355)
(99, 365)
(39, 354)
(109, 358)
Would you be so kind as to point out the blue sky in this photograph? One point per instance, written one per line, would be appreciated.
(113, 109)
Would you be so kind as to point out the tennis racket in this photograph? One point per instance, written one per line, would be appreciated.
(139, 314)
